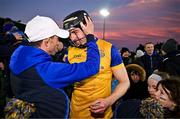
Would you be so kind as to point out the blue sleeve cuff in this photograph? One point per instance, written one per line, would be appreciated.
(90, 38)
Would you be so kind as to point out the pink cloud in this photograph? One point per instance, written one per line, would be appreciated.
(142, 20)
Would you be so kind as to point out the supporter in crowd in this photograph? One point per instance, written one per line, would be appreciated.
(92, 97)
(12, 37)
(171, 62)
(140, 47)
(2, 90)
(138, 88)
(150, 60)
(165, 105)
(153, 80)
(169, 96)
(125, 53)
(37, 81)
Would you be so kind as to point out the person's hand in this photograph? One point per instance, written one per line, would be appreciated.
(17, 36)
(99, 106)
(87, 28)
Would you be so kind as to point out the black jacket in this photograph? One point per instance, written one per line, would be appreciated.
(171, 63)
(150, 63)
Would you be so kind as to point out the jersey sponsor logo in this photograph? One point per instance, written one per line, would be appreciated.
(102, 53)
(77, 56)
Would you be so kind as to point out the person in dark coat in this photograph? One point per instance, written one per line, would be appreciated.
(171, 61)
(11, 38)
(150, 61)
(138, 86)
(125, 53)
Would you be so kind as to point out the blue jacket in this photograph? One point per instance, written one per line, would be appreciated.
(37, 79)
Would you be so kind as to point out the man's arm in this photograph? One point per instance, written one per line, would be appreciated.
(122, 87)
(120, 73)
(100, 105)
(59, 75)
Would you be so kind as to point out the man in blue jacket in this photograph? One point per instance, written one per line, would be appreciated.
(36, 79)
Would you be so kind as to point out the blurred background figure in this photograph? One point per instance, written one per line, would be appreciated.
(138, 88)
(171, 61)
(10, 38)
(139, 53)
(169, 96)
(153, 80)
(125, 53)
(11, 33)
(150, 60)
(165, 105)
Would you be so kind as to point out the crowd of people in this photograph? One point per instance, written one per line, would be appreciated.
(52, 72)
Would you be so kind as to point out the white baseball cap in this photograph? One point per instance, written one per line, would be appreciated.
(41, 27)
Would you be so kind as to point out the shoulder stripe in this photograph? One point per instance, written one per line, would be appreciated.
(117, 66)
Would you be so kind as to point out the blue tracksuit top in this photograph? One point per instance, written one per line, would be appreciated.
(35, 78)
(57, 75)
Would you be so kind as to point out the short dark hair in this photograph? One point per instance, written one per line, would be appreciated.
(35, 44)
(148, 43)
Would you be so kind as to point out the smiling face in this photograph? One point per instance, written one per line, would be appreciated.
(152, 87)
(126, 54)
(164, 97)
(77, 37)
(149, 48)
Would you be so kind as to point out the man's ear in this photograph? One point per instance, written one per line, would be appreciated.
(46, 41)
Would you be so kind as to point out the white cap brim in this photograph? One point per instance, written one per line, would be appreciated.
(63, 33)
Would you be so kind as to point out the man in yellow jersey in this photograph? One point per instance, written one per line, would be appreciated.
(92, 98)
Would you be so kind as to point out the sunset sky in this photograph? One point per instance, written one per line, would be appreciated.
(130, 22)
